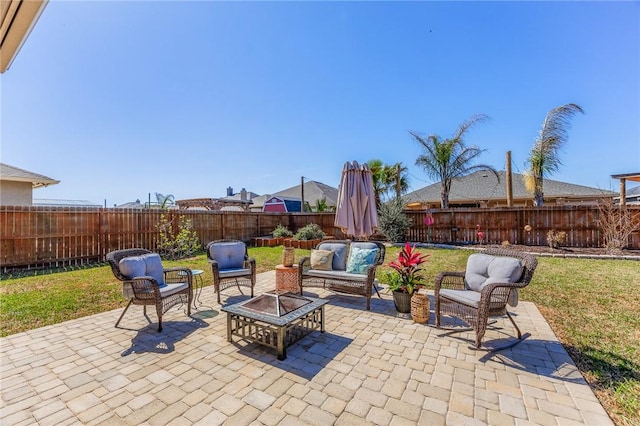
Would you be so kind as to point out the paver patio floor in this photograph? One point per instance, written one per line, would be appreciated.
(369, 367)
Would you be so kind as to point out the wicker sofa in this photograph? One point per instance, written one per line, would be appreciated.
(349, 268)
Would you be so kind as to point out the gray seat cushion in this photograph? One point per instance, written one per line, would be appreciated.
(235, 272)
(165, 290)
(468, 297)
(341, 275)
(229, 255)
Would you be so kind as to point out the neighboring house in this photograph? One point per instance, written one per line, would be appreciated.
(242, 196)
(64, 203)
(282, 205)
(132, 205)
(632, 196)
(313, 191)
(16, 185)
(482, 189)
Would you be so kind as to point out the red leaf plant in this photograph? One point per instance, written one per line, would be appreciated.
(408, 269)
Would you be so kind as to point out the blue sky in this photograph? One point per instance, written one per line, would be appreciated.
(120, 99)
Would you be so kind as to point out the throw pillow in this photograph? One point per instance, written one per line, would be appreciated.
(360, 259)
(321, 260)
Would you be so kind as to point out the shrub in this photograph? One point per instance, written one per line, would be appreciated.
(556, 239)
(282, 232)
(617, 225)
(392, 222)
(176, 245)
(309, 232)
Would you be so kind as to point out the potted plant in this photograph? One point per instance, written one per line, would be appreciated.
(406, 277)
(280, 233)
(308, 236)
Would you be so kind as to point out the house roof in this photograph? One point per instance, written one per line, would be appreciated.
(16, 174)
(64, 203)
(483, 186)
(18, 19)
(131, 205)
(313, 191)
(628, 176)
(238, 196)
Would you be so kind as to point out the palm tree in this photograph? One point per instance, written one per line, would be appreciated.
(446, 159)
(399, 179)
(164, 200)
(321, 205)
(543, 159)
(379, 173)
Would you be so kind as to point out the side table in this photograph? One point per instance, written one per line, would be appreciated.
(198, 285)
(287, 278)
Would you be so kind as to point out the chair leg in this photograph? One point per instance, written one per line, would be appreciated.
(159, 313)
(514, 325)
(123, 312)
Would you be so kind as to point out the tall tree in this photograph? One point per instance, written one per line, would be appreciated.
(446, 159)
(544, 157)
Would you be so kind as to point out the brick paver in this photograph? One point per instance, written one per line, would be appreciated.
(370, 367)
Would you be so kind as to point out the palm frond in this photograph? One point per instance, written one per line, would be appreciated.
(466, 125)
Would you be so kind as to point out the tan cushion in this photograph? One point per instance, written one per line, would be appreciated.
(321, 260)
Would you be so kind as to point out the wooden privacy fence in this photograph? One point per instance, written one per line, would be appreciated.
(523, 225)
(59, 236)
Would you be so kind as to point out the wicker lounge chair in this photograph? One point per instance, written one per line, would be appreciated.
(231, 265)
(484, 289)
(146, 282)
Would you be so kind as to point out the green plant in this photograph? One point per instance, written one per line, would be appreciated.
(392, 222)
(556, 239)
(544, 156)
(176, 245)
(282, 232)
(311, 231)
(446, 159)
(407, 275)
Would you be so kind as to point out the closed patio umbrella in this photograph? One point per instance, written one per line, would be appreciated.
(356, 213)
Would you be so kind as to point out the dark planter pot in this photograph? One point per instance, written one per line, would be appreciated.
(402, 302)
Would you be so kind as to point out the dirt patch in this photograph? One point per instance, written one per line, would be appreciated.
(566, 251)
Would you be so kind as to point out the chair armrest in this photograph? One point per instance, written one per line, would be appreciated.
(497, 293)
(178, 275)
(449, 280)
(215, 268)
(144, 287)
(304, 264)
(250, 263)
(371, 273)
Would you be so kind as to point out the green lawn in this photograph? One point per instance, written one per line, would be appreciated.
(592, 306)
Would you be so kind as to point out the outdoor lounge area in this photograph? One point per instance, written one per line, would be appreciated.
(367, 367)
